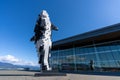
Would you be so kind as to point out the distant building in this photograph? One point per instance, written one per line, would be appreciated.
(94, 50)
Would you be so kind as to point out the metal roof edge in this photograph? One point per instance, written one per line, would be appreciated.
(97, 32)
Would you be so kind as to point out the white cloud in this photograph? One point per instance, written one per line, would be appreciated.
(8, 58)
(13, 60)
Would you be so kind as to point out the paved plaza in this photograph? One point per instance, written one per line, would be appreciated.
(29, 75)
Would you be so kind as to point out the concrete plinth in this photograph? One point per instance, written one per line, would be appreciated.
(49, 73)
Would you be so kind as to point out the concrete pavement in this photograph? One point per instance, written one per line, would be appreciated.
(27, 75)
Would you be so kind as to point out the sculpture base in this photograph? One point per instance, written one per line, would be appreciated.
(49, 73)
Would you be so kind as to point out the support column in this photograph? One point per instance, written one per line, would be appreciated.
(97, 56)
(58, 59)
(74, 57)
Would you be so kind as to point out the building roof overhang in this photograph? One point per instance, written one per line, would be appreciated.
(100, 35)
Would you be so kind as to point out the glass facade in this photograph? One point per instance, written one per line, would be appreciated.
(101, 56)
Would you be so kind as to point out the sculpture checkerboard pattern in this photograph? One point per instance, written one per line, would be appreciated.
(42, 39)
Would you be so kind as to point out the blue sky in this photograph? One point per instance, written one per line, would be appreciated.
(18, 18)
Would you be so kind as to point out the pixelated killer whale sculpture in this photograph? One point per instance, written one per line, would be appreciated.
(42, 39)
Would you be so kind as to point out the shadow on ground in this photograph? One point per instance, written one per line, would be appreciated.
(16, 75)
(34, 73)
(96, 73)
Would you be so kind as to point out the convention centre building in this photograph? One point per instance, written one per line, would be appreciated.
(95, 50)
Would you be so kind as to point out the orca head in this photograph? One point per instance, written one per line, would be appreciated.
(44, 14)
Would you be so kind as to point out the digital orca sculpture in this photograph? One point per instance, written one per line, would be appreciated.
(42, 39)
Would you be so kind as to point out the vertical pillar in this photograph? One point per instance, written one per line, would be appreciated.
(74, 58)
(97, 56)
(59, 67)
